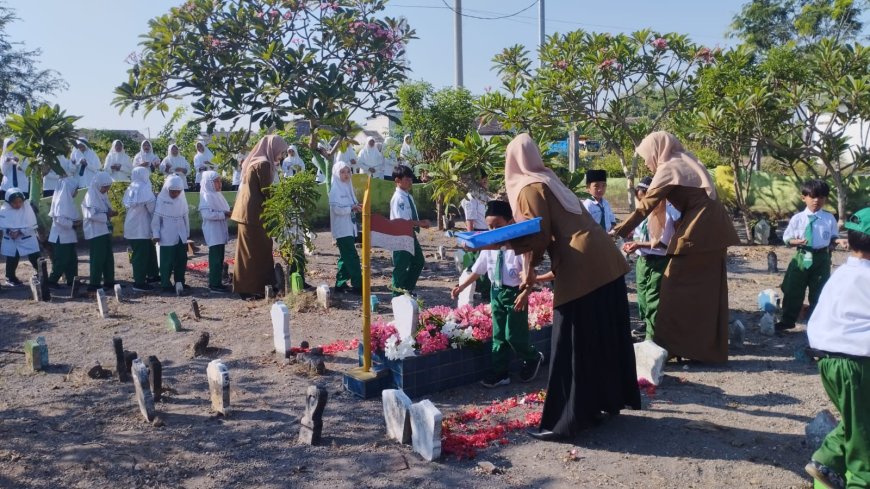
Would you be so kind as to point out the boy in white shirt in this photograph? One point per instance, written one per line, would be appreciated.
(840, 328)
(406, 266)
(597, 205)
(510, 314)
(813, 231)
(652, 258)
(170, 228)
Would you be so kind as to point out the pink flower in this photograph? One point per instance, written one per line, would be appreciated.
(274, 13)
(561, 64)
(380, 331)
(259, 15)
(660, 44)
(607, 64)
(431, 340)
(705, 55)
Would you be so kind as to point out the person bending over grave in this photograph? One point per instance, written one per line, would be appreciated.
(18, 225)
(171, 228)
(64, 215)
(509, 304)
(97, 225)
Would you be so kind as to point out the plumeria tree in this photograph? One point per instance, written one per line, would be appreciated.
(43, 134)
(262, 62)
(592, 81)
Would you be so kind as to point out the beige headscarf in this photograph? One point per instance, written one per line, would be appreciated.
(672, 165)
(524, 166)
(269, 148)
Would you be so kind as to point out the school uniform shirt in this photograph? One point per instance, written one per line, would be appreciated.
(340, 215)
(137, 222)
(824, 228)
(291, 166)
(122, 161)
(23, 220)
(95, 207)
(63, 213)
(202, 163)
(51, 179)
(475, 210)
(86, 173)
(402, 206)
(641, 233)
(841, 319)
(171, 164)
(512, 265)
(14, 174)
(170, 230)
(595, 209)
(146, 160)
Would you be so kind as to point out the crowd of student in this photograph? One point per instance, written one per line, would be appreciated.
(679, 230)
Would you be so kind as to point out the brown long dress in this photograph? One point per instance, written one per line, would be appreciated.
(692, 319)
(592, 366)
(254, 268)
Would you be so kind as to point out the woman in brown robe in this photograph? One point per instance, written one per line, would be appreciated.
(692, 320)
(254, 268)
(592, 367)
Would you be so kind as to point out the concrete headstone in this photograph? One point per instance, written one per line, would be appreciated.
(118, 293)
(311, 424)
(143, 389)
(650, 361)
(397, 415)
(466, 297)
(172, 322)
(426, 429)
(194, 308)
(281, 329)
(43, 350)
(736, 333)
(36, 288)
(441, 252)
(219, 386)
(34, 356)
(155, 377)
(324, 296)
(406, 314)
(767, 326)
(42, 268)
(120, 364)
(102, 303)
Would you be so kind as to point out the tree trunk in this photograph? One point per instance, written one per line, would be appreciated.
(842, 196)
(439, 212)
(630, 173)
(740, 198)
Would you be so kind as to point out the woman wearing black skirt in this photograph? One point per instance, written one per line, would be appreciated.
(592, 370)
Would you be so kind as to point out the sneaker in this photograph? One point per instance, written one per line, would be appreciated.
(13, 282)
(143, 287)
(218, 290)
(530, 369)
(781, 326)
(494, 380)
(825, 475)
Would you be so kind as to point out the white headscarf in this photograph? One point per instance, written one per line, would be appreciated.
(145, 156)
(370, 156)
(205, 156)
(338, 188)
(116, 157)
(173, 161)
(62, 201)
(95, 199)
(22, 218)
(291, 163)
(407, 147)
(166, 205)
(6, 143)
(209, 198)
(139, 190)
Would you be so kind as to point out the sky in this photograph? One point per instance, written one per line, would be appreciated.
(87, 41)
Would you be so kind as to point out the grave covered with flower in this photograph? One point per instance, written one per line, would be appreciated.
(450, 346)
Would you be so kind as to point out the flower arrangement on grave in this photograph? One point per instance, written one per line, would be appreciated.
(441, 328)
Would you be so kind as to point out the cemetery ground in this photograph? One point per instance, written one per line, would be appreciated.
(704, 426)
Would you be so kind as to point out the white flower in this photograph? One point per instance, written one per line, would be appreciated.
(397, 349)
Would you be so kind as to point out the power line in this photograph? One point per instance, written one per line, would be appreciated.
(534, 2)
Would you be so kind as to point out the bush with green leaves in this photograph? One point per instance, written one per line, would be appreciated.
(285, 211)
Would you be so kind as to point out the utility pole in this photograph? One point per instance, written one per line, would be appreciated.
(457, 41)
(541, 33)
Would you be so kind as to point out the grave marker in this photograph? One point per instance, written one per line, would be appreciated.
(458, 256)
(172, 322)
(219, 386)
(118, 293)
(397, 415)
(311, 424)
(466, 297)
(426, 429)
(179, 289)
(143, 390)
(281, 329)
(155, 377)
(405, 315)
(42, 269)
(324, 295)
(36, 288)
(194, 306)
(120, 363)
(36, 355)
(650, 361)
(102, 303)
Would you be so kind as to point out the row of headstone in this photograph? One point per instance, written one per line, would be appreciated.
(416, 423)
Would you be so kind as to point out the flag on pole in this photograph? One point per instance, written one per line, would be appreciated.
(393, 235)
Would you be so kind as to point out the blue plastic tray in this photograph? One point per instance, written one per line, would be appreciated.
(479, 239)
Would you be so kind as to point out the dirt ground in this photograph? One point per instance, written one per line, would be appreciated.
(705, 427)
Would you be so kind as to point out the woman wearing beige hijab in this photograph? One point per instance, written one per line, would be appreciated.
(592, 367)
(254, 267)
(692, 320)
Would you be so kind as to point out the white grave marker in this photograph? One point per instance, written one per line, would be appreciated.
(143, 389)
(102, 303)
(281, 328)
(466, 297)
(649, 361)
(324, 295)
(406, 314)
(118, 293)
(219, 386)
(397, 415)
(426, 429)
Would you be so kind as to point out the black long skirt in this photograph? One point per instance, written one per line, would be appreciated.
(592, 366)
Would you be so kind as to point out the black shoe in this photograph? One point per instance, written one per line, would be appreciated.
(54, 285)
(781, 326)
(251, 297)
(143, 288)
(93, 288)
(13, 282)
(545, 435)
(530, 369)
(152, 280)
(184, 286)
(825, 475)
(218, 290)
(495, 380)
(167, 290)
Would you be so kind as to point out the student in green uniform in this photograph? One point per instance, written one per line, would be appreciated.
(813, 231)
(510, 312)
(64, 215)
(96, 219)
(139, 201)
(171, 228)
(406, 266)
(838, 328)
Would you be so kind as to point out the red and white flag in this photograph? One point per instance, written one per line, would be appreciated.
(393, 235)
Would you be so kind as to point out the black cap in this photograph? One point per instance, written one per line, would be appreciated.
(595, 176)
(499, 208)
(644, 183)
